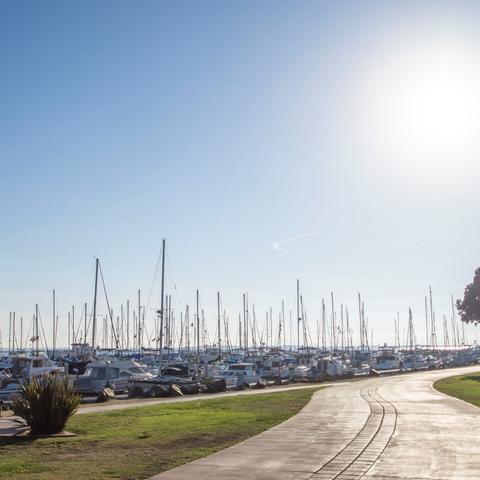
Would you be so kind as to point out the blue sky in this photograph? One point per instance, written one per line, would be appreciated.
(226, 127)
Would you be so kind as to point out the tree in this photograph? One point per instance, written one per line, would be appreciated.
(469, 307)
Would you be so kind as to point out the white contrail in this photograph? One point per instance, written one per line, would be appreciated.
(277, 245)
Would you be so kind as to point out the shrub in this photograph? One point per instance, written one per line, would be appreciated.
(46, 404)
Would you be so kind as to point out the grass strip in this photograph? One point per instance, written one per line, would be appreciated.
(136, 443)
(464, 387)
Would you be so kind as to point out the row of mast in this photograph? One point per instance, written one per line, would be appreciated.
(118, 334)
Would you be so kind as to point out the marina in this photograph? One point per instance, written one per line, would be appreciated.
(178, 360)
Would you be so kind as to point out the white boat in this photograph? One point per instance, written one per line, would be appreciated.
(274, 368)
(299, 373)
(331, 367)
(414, 361)
(24, 368)
(386, 360)
(362, 370)
(239, 375)
(114, 374)
(178, 374)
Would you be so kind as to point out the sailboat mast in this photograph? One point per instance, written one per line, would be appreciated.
(334, 343)
(162, 294)
(53, 325)
(341, 328)
(245, 323)
(187, 333)
(324, 326)
(219, 326)
(432, 317)
(198, 337)
(139, 333)
(73, 326)
(348, 328)
(94, 319)
(85, 325)
(426, 323)
(360, 321)
(10, 333)
(298, 314)
(37, 336)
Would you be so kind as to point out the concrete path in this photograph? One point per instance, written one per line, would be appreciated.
(393, 428)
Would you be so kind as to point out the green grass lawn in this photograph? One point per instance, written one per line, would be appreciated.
(139, 442)
(465, 387)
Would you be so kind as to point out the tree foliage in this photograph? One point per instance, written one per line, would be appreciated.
(469, 307)
(46, 404)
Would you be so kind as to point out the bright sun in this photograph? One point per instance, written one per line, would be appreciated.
(421, 109)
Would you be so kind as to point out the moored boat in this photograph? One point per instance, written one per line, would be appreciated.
(115, 374)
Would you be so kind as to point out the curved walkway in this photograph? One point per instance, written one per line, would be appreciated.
(391, 428)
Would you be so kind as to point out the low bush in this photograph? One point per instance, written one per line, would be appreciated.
(46, 404)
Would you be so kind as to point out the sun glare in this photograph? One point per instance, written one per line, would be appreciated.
(422, 109)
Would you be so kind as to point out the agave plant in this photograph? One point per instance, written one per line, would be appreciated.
(46, 404)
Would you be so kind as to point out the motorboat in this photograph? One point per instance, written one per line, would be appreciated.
(274, 368)
(299, 373)
(24, 368)
(114, 374)
(386, 360)
(239, 375)
(176, 378)
(328, 368)
(414, 361)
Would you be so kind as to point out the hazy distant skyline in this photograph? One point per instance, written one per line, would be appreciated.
(334, 142)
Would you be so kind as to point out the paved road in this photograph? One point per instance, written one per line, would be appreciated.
(393, 428)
